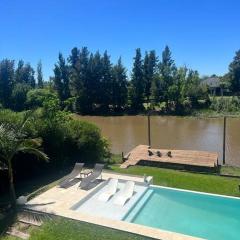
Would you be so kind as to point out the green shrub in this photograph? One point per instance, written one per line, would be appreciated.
(64, 140)
(10, 117)
(225, 104)
(37, 97)
(85, 141)
(69, 104)
(19, 96)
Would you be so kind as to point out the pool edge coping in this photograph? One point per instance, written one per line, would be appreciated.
(197, 192)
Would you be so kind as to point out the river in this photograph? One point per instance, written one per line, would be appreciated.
(125, 132)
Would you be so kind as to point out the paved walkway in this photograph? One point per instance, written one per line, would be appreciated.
(181, 157)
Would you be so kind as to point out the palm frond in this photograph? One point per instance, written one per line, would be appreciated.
(6, 132)
(34, 151)
(26, 118)
(8, 139)
(33, 142)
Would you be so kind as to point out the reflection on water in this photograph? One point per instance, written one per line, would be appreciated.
(126, 132)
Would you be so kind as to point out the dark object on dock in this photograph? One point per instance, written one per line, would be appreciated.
(150, 153)
(169, 154)
(159, 154)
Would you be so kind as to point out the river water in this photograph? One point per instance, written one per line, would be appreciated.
(125, 132)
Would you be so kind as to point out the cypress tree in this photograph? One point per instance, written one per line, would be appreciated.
(106, 81)
(234, 73)
(6, 81)
(137, 83)
(74, 72)
(167, 70)
(149, 70)
(39, 75)
(25, 74)
(95, 79)
(119, 86)
(61, 78)
(79, 79)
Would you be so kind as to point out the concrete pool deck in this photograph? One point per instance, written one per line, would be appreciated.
(59, 201)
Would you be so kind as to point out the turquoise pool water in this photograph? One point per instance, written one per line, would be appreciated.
(195, 214)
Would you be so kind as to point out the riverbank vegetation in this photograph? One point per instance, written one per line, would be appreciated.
(89, 83)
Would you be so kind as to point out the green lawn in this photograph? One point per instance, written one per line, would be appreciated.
(232, 171)
(186, 180)
(62, 229)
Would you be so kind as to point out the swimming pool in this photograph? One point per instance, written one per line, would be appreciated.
(196, 214)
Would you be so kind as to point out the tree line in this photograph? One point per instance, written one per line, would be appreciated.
(97, 84)
(89, 82)
(16, 82)
(92, 80)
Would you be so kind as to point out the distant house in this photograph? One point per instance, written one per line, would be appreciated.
(214, 85)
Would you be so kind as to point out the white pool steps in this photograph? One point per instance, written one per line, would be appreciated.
(130, 217)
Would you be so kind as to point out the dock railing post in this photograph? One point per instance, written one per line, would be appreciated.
(224, 139)
(149, 130)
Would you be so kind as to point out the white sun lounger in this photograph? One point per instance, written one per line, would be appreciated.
(125, 194)
(111, 189)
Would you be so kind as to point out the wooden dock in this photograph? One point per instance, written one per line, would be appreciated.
(178, 158)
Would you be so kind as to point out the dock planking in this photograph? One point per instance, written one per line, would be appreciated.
(180, 157)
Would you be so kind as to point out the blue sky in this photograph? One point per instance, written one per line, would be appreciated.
(203, 34)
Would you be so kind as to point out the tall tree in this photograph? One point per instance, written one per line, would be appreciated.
(175, 91)
(19, 96)
(25, 74)
(74, 72)
(106, 81)
(157, 89)
(61, 78)
(79, 77)
(137, 82)
(6, 81)
(194, 89)
(234, 73)
(119, 85)
(74, 57)
(95, 74)
(39, 75)
(149, 70)
(167, 70)
(19, 73)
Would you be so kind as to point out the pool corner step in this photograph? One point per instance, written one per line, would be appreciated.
(129, 217)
